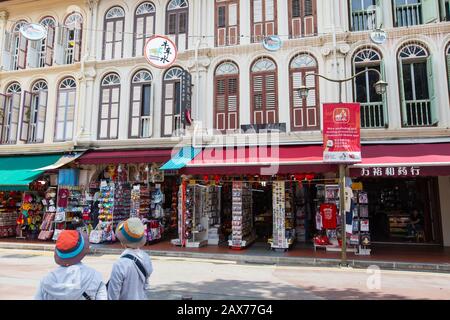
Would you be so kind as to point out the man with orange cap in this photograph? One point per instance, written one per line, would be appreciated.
(72, 280)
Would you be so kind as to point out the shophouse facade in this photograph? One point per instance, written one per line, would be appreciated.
(87, 86)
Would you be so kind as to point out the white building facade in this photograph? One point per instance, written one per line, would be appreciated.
(87, 85)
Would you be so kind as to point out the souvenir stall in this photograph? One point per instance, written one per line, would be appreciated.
(243, 233)
(283, 216)
(10, 203)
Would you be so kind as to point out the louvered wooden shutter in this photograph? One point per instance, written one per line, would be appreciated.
(49, 45)
(2, 115)
(77, 46)
(23, 45)
(41, 116)
(26, 115)
(14, 125)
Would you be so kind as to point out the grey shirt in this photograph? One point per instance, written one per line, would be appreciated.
(127, 282)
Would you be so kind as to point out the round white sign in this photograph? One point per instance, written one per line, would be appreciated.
(378, 36)
(160, 52)
(272, 43)
(33, 31)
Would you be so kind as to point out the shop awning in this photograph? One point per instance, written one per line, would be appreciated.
(263, 160)
(17, 172)
(403, 160)
(125, 156)
(181, 158)
(385, 155)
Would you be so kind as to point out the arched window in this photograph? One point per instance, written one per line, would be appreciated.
(226, 86)
(417, 93)
(114, 25)
(108, 127)
(34, 112)
(15, 50)
(264, 91)
(227, 22)
(305, 112)
(302, 18)
(69, 38)
(141, 105)
(177, 22)
(144, 26)
(263, 19)
(65, 110)
(46, 45)
(9, 113)
(373, 106)
(171, 121)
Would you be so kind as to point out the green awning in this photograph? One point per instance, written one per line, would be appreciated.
(17, 172)
(181, 159)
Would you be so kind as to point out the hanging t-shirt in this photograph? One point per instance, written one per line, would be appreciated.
(328, 211)
(63, 198)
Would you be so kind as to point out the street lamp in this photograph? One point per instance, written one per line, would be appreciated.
(380, 88)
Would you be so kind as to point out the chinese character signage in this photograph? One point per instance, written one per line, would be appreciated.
(160, 52)
(186, 97)
(341, 133)
(390, 172)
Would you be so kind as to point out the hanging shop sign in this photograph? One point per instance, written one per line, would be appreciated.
(272, 43)
(33, 31)
(341, 133)
(401, 171)
(378, 36)
(160, 52)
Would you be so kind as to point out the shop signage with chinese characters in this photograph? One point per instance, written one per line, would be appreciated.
(341, 133)
(160, 52)
(389, 172)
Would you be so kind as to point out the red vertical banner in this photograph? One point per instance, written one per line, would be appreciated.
(342, 132)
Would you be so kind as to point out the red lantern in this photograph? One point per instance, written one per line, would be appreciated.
(205, 178)
(309, 177)
(217, 179)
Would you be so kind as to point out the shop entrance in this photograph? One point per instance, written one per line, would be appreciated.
(262, 200)
(404, 210)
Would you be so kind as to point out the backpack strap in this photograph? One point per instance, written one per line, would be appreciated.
(86, 296)
(137, 262)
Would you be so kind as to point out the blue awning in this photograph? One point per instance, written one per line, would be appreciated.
(182, 158)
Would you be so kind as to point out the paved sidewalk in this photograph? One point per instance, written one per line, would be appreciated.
(440, 261)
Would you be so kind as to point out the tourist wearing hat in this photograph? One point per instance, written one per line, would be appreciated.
(72, 280)
(130, 274)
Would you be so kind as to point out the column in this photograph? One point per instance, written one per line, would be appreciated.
(3, 19)
(86, 116)
(92, 38)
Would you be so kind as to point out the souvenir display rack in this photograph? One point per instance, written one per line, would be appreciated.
(362, 231)
(47, 225)
(300, 215)
(195, 195)
(242, 234)
(106, 210)
(152, 201)
(283, 216)
(70, 212)
(212, 210)
(10, 203)
(122, 202)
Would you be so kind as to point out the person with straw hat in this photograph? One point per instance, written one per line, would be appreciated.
(130, 274)
(72, 280)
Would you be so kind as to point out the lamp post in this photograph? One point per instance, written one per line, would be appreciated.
(380, 88)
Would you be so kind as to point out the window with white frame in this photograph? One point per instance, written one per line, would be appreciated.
(302, 18)
(263, 19)
(141, 105)
(15, 48)
(9, 113)
(373, 105)
(264, 91)
(305, 112)
(46, 45)
(144, 26)
(417, 91)
(34, 110)
(365, 14)
(415, 12)
(113, 33)
(68, 40)
(108, 126)
(65, 110)
(171, 116)
(177, 22)
(227, 22)
(226, 92)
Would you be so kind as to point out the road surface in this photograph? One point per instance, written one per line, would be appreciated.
(174, 278)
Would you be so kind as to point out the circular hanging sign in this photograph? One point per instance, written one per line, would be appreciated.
(272, 43)
(378, 36)
(160, 52)
(33, 31)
